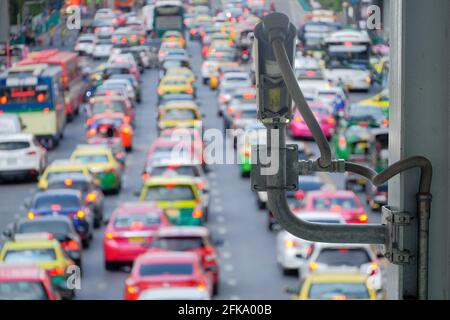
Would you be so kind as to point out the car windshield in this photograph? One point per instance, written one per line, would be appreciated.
(178, 243)
(132, 219)
(30, 255)
(83, 186)
(22, 290)
(62, 174)
(180, 114)
(14, 145)
(166, 269)
(57, 228)
(180, 170)
(248, 114)
(114, 106)
(336, 257)
(56, 200)
(87, 159)
(334, 290)
(174, 82)
(170, 193)
(328, 203)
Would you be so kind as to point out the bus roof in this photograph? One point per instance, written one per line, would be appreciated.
(50, 56)
(31, 70)
(162, 3)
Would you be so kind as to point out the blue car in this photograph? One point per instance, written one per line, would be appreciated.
(64, 202)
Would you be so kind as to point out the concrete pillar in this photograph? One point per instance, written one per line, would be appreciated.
(419, 118)
(4, 21)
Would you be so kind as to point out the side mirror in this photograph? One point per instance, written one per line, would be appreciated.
(300, 195)
(290, 290)
(27, 203)
(7, 233)
(106, 221)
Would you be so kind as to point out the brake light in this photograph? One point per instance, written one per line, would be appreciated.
(342, 142)
(170, 185)
(113, 39)
(201, 185)
(92, 132)
(145, 176)
(31, 153)
(386, 122)
(245, 52)
(309, 251)
(160, 91)
(91, 197)
(201, 286)
(363, 124)
(363, 218)
(330, 120)
(90, 122)
(68, 182)
(72, 245)
(348, 43)
(124, 40)
(132, 292)
(58, 271)
(248, 96)
(343, 250)
(193, 31)
(46, 110)
(311, 73)
(142, 40)
(197, 213)
(297, 119)
(230, 110)
(55, 207)
(189, 90)
(97, 30)
(3, 100)
(247, 153)
(40, 97)
(109, 236)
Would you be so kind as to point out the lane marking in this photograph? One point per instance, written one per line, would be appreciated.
(222, 230)
(232, 282)
(225, 255)
(228, 268)
(220, 219)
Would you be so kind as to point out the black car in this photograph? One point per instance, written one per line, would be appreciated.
(90, 191)
(60, 227)
(67, 203)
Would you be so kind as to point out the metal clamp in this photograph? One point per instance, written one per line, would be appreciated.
(306, 167)
(395, 222)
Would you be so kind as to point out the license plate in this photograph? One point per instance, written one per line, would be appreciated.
(137, 240)
(172, 212)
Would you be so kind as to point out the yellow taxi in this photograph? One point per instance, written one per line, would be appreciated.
(42, 250)
(202, 18)
(379, 100)
(102, 162)
(214, 80)
(182, 72)
(336, 286)
(178, 196)
(174, 36)
(175, 84)
(62, 168)
(179, 114)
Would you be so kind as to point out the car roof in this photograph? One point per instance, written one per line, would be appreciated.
(332, 194)
(13, 271)
(137, 206)
(16, 137)
(352, 277)
(183, 231)
(91, 150)
(168, 256)
(174, 293)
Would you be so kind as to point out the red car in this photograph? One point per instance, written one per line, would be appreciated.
(166, 149)
(166, 269)
(130, 231)
(299, 129)
(194, 239)
(25, 282)
(344, 202)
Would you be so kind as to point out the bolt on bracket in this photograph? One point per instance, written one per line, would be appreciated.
(259, 180)
(396, 222)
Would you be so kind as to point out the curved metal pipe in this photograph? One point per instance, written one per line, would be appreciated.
(302, 106)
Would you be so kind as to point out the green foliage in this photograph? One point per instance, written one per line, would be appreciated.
(335, 5)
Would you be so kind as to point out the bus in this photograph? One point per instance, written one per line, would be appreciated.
(312, 35)
(168, 16)
(36, 94)
(124, 5)
(75, 87)
(347, 59)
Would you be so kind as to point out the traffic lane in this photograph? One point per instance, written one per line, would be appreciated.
(248, 257)
(97, 283)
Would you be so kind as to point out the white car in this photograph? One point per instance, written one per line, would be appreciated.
(175, 293)
(10, 123)
(329, 94)
(21, 155)
(131, 93)
(336, 257)
(208, 68)
(292, 252)
(356, 79)
(103, 49)
(85, 44)
(236, 80)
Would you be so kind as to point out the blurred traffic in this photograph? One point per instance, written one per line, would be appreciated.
(104, 159)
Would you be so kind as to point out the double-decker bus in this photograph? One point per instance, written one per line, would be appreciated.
(124, 5)
(36, 94)
(347, 60)
(74, 85)
(168, 16)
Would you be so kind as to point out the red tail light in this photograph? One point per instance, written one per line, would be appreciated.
(131, 292)
(3, 100)
(71, 245)
(142, 40)
(91, 197)
(197, 213)
(58, 271)
(245, 52)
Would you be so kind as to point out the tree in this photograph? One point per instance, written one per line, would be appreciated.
(335, 5)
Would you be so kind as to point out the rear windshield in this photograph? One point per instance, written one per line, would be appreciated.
(182, 170)
(328, 203)
(114, 106)
(82, 186)
(144, 220)
(92, 159)
(22, 290)
(30, 256)
(179, 114)
(178, 244)
(50, 201)
(335, 290)
(53, 227)
(343, 257)
(14, 145)
(166, 269)
(62, 174)
(169, 193)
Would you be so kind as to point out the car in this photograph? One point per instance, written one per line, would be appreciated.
(178, 196)
(103, 49)
(179, 115)
(63, 202)
(366, 115)
(173, 53)
(130, 55)
(85, 44)
(324, 116)
(172, 63)
(176, 293)
(336, 286)
(211, 61)
(380, 100)
(220, 70)
(377, 196)
(174, 36)
(232, 96)
(60, 227)
(166, 47)
(221, 46)
(171, 269)
(102, 162)
(291, 251)
(185, 134)
(122, 68)
(11, 124)
(295, 199)
(174, 84)
(183, 72)
(336, 257)
(110, 103)
(308, 68)
(89, 188)
(42, 250)
(180, 149)
(197, 26)
(253, 135)
(351, 143)
(245, 116)
(130, 231)
(128, 36)
(136, 85)
(26, 282)
(110, 127)
(247, 106)
(193, 239)
(64, 168)
(112, 83)
(344, 202)
(21, 155)
(182, 97)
